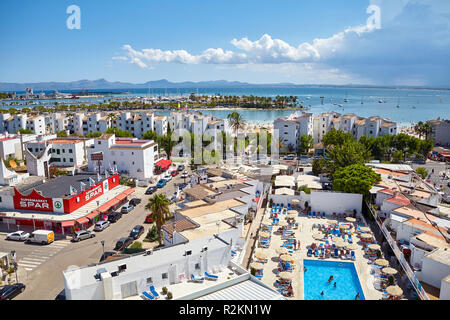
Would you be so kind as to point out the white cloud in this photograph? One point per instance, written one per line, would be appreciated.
(119, 58)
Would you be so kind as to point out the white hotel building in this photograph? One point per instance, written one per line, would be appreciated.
(132, 156)
(291, 128)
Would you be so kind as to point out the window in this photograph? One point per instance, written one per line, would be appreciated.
(70, 151)
(71, 159)
(197, 266)
(129, 289)
(57, 151)
(99, 142)
(165, 275)
(0, 199)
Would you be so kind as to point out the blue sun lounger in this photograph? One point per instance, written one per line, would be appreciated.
(353, 255)
(154, 292)
(148, 296)
(197, 279)
(309, 214)
(336, 253)
(314, 214)
(211, 276)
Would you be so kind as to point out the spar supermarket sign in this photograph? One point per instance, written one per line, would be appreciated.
(33, 201)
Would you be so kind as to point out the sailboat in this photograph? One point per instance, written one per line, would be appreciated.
(398, 104)
(346, 98)
(362, 100)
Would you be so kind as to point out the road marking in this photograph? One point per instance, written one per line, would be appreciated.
(28, 269)
(28, 265)
(35, 259)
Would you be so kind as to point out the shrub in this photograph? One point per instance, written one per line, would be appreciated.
(253, 271)
(164, 290)
(152, 234)
(169, 295)
(136, 245)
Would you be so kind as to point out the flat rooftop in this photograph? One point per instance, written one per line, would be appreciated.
(60, 187)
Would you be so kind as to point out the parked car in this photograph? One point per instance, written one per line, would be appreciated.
(61, 295)
(289, 157)
(174, 173)
(82, 235)
(101, 225)
(182, 186)
(180, 167)
(127, 208)
(18, 236)
(123, 243)
(148, 218)
(185, 175)
(150, 190)
(137, 232)
(168, 177)
(113, 217)
(10, 291)
(161, 183)
(41, 236)
(135, 201)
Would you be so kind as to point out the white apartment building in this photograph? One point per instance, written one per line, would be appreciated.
(132, 156)
(291, 128)
(351, 123)
(440, 132)
(17, 122)
(64, 152)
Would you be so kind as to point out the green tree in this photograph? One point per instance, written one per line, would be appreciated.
(320, 166)
(150, 135)
(61, 134)
(397, 157)
(305, 189)
(336, 138)
(158, 205)
(236, 121)
(422, 172)
(119, 133)
(166, 143)
(25, 131)
(348, 154)
(306, 143)
(356, 178)
(94, 134)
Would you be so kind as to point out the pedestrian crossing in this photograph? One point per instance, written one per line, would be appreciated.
(41, 254)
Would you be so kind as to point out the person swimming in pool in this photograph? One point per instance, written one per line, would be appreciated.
(334, 285)
(322, 293)
(357, 296)
(305, 269)
(331, 278)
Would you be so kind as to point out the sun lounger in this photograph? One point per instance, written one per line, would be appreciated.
(336, 253)
(197, 279)
(211, 276)
(148, 296)
(353, 257)
(309, 214)
(309, 254)
(154, 292)
(314, 214)
(316, 252)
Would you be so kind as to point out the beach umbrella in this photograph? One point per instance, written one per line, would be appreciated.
(317, 236)
(394, 291)
(286, 257)
(366, 236)
(295, 201)
(267, 222)
(286, 275)
(282, 250)
(382, 262)
(292, 213)
(374, 246)
(261, 254)
(332, 221)
(365, 229)
(344, 226)
(256, 266)
(265, 235)
(351, 246)
(350, 219)
(339, 242)
(389, 270)
(283, 223)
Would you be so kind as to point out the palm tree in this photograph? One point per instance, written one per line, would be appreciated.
(158, 205)
(236, 121)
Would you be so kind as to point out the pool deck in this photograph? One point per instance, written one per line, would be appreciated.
(304, 234)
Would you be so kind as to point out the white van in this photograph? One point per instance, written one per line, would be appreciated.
(42, 237)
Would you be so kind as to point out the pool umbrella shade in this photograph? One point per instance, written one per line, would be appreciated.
(374, 246)
(286, 257)
(261, 254)
(256, 266)
(332, 221)
(350, 219)
(395, 291)
(339, 242)
(365, 229)
(282, 250)
(283, 224)
(389, 271)
(351, 246)
(382, 262)
(317, 236)
(264, 235)
(296, 201)
(286, 275)
(366, 236)
(266, 222)
(344, 226)
(292, 213)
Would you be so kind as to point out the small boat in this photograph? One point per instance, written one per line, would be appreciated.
(340, 105)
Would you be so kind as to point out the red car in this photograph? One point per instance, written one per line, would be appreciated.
(148, 219)
(174, 173)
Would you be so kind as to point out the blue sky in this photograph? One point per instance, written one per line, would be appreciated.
(262, 41)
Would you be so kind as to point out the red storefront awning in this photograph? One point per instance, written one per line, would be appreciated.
(93, 214)
(70, 223)
(164, 164)
(83, 220)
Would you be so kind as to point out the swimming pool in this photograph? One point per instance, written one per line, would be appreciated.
(316, 280)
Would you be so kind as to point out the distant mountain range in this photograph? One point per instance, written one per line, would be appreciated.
(102, 84)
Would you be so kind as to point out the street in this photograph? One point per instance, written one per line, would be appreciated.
(436, 177)
(41, 267)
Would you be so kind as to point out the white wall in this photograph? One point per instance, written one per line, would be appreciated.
(338, 202)
(445, 290)
(433, 272)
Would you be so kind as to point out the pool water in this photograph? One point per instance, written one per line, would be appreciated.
(344, 274)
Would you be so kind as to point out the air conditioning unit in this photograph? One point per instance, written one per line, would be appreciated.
(148, 252)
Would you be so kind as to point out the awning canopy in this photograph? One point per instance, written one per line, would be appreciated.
(93, 214)
(69, 223)
(83, 220)
(164, 164)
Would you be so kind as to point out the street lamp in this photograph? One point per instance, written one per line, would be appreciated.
(34, 226)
